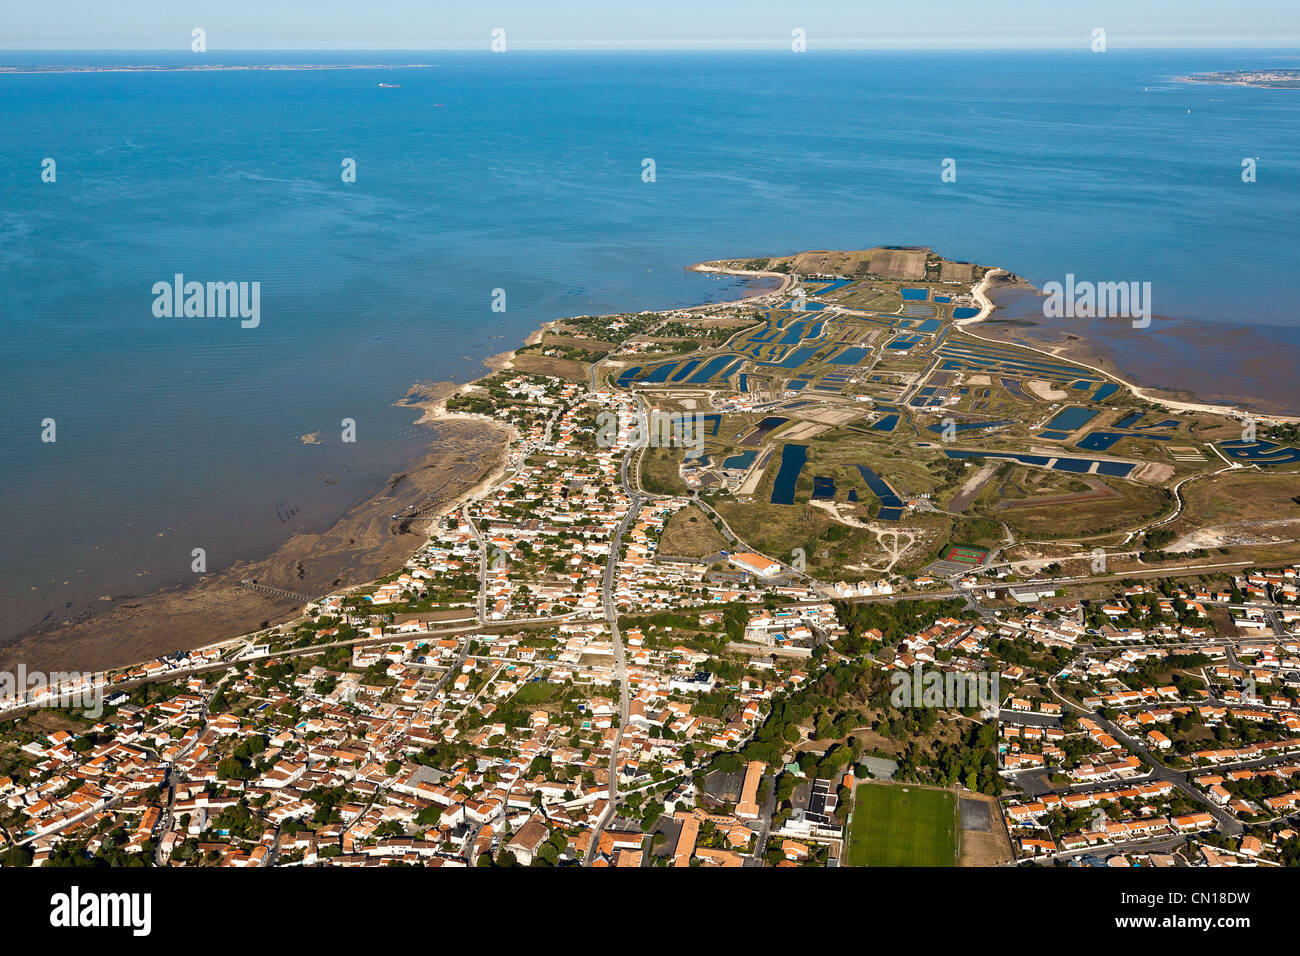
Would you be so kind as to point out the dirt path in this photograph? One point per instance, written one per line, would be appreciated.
(962, 499)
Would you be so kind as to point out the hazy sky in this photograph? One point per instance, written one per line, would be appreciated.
(622, 24)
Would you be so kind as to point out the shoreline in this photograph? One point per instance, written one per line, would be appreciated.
(363, 544)
(373, 515)
(144, 627)
(1147, 393)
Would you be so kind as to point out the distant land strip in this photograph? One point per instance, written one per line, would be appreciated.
(210, 67)
(1277, 79)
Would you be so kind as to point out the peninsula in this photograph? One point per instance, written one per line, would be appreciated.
(671, 622)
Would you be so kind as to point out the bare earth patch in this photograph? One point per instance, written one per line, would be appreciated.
(986, 848)
(1045, 391)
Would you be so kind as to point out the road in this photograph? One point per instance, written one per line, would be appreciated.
(482, 563)
(1228, 824)
(764, 825)
(166, 822)
(635, 501)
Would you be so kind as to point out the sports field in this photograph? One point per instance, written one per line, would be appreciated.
(965, 554)
(902, 826)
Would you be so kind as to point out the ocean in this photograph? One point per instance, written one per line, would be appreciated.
(524, 172)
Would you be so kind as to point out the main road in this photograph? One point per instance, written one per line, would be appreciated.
(635, 500)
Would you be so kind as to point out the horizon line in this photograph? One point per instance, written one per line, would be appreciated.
(742, 46)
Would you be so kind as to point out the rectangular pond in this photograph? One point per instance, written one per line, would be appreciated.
(793, 458)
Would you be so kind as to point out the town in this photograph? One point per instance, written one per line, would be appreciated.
(677, 646)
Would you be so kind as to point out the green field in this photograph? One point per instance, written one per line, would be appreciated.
(902, 826)
(534, 693)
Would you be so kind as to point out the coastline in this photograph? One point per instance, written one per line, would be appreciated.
(787, 280)
(362, 545)
(1072, 347)
(1254, 79)
(466, 454)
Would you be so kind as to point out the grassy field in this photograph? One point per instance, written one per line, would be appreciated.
(534, 693)
(1131, 504)
(659, 474)
(691, 534)
(902, 826)
(1238, 496)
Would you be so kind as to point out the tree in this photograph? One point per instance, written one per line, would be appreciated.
(16, 856)
(230, 768)
(429, 816)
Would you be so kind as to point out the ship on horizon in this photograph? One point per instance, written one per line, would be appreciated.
(390, 86)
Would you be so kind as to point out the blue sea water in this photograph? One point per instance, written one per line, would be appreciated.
(524, 172)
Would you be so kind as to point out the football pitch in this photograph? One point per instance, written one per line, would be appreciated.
(902, 826)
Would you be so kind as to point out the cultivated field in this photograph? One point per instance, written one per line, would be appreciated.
(535, 364)
(899, 263)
